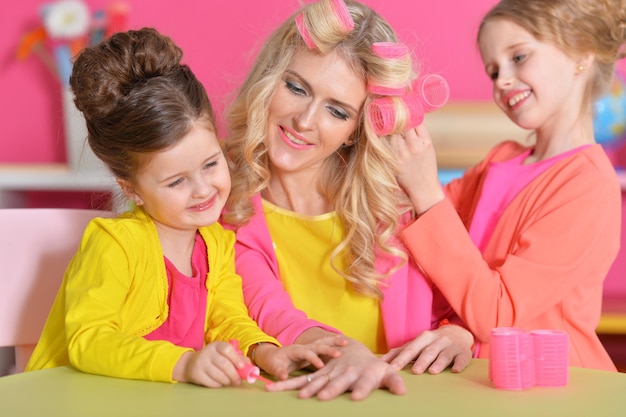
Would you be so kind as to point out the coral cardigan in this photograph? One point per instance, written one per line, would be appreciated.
(410, 305)
(547, 258)
(115, 291)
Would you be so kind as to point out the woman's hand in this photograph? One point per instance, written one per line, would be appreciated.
(434, 350)
(214, 366)
(417, 167)
(357, 370)
(280, 362)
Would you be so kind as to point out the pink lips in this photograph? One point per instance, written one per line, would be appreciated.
(289, 142)
(511, 94)
(206, 205)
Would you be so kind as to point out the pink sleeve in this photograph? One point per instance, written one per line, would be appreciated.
(541, 257)
(269, 304)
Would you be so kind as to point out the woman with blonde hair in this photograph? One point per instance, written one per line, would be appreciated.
(317, 208)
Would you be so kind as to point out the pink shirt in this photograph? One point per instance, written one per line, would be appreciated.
(503, 182)
(187, 298)
(410, 305)
(546, 259)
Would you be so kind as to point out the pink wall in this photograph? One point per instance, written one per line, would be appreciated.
(219, 40)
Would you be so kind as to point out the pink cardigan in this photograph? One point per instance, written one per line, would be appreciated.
(410, 305)
(547, 258)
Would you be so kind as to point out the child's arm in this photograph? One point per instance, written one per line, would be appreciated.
(214, 366)
(105, 308)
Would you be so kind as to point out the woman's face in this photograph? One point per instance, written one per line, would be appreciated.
(315, 109)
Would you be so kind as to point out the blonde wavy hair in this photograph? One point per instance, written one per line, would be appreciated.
(359, 179)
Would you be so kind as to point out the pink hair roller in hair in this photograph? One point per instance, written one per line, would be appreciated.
(388, 50)
(381, 90)
(429, 93)
(249, 372)
(304, 31)
(343, 14)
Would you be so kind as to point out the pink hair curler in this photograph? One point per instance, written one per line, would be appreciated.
(390, 50)
(343, 14)
(249, 372)
(381, 90)
(511, 359)
(551, 349)
(340, 11)
(434, 90)
(429, 93)
(304, 31)
(382, 113)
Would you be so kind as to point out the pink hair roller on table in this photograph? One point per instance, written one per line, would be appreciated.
(430, 92)
(511, 359)
(551, 349)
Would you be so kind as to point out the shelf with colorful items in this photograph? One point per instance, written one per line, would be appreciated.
(67, 26)
(609, 124)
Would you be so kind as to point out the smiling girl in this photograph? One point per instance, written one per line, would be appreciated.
(153, 294)
(526, 237)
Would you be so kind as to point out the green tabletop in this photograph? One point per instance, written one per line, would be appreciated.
(66, 392)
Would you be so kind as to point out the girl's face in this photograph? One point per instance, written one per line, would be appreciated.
(186, 186)
(314, 111)
(534, 83)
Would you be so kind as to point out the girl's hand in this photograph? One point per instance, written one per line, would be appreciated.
(280, 362)
(417, 168)
(214, 366)
(357, 370)
(435, 350)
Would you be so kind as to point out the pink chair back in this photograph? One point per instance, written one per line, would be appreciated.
(36, 246)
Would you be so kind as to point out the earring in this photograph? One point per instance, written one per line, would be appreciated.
(581, 68)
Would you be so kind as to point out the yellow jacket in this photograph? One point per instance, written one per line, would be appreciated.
(115, 291)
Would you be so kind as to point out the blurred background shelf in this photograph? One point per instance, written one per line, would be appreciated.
(16, 180)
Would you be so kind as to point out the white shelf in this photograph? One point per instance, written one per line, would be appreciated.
(17, 179)
(43, 177)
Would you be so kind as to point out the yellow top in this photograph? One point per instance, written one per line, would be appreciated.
(115, 292)
(304, 260)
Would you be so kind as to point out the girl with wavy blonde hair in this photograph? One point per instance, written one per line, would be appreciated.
(527, 236)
